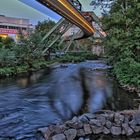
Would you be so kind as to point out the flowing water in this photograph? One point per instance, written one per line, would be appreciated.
(47, 97)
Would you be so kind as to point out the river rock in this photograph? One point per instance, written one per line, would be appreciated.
(76, 125)
(127, 129)
(102, 119)
(70, 134)
(137, 118)
(80, 133)
(108, 124)
(123, 122)
(106, 131)
(83, 119)
(123, 132)
(52, 127)
(118, 118)
(90, 115)
(46, 132)
(63, 127)
(57, 130)
(59, 137)
(126, 119)
(137, 129)
(133, 125)
(111, 117)
(70, 124)
(95, 122)
(128, 116)
(87, 129)
(74, 119)
(97, 130)
(115, 130)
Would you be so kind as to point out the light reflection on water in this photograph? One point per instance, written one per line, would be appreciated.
(41, 99)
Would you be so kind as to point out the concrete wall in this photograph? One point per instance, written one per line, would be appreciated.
(11, 20)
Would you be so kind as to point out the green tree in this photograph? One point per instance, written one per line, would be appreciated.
(122, 42)
(1, 44)
(31, 47)
(40, 30)
(20, 57)
(44, 27)
(8, 41)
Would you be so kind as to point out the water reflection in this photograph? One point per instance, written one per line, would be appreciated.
(32, 78)
(99, 88)
(68, 91)
(41, 99)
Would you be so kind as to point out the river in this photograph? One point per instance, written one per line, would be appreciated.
(50, 96)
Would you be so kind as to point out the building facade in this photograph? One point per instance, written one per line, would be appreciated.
(13, 27)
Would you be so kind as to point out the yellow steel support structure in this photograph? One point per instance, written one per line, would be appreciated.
(68, 11)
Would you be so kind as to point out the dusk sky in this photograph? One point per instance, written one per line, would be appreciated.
(23, 9)
(15, 8)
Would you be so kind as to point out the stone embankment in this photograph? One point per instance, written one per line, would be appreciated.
(104, 122)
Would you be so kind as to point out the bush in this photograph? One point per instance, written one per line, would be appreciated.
(70, 58)
(39, 65)
(6, 71)
(128, 72)
(77, 57)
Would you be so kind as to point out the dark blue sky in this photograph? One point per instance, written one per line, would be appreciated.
(41, 8)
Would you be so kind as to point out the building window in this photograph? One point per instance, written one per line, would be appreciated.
(24, 29)
(3, 26)
(13, 27)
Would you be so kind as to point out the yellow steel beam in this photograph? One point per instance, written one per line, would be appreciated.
(64, 8)
(66, 4)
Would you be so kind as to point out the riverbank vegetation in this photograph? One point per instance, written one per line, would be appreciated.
(122, 43)
(26, 55)
(10, 67)
(77, 57)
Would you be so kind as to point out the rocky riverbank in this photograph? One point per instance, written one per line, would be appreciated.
(125, 123)
(131, 89)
